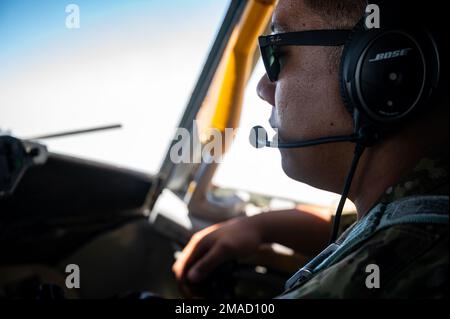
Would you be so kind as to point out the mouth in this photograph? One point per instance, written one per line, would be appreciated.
(273, 126)
(272, 123)
(273, 120)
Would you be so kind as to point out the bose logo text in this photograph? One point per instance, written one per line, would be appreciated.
(390, 55)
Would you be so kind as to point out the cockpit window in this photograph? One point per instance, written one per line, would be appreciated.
(74, 65)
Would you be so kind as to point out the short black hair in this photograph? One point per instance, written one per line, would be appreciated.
(345, 14)
(341, 13)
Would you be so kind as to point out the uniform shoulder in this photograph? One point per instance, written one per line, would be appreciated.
(411, 260)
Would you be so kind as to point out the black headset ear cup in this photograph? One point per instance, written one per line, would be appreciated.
(359, 27)
(388, 74)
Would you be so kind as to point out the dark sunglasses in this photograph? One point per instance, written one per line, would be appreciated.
(269, 45)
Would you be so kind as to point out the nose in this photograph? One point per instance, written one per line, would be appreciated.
(266, 90)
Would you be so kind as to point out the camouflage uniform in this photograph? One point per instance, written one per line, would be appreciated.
(405, 235)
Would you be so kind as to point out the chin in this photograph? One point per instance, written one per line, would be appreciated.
(291, 167)
(291, 163)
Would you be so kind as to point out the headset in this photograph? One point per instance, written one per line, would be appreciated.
(387, 76)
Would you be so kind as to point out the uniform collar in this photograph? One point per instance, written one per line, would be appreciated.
(429, 177)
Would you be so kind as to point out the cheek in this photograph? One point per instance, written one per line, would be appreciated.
(300, 107)
(309, 106)
(288, 108)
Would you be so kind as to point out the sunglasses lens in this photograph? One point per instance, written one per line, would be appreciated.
(270, 62)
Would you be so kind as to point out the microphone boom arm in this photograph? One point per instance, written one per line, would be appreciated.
(320, 141)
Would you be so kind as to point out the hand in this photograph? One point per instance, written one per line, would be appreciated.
(212, 246)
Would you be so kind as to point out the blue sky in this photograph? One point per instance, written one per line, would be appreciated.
(27, 26)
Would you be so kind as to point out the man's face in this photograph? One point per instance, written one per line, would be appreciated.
(307, 104)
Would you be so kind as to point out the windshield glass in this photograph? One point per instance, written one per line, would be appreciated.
(94, 63)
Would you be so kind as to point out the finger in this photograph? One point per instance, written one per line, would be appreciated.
(196, 248)
(211, 260)
(190, 254)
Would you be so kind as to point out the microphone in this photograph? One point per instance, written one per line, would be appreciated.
(259, 139)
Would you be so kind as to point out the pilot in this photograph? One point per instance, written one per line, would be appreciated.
(398, 247)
